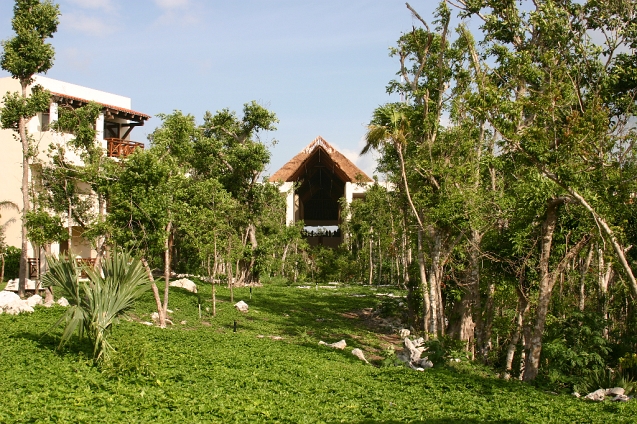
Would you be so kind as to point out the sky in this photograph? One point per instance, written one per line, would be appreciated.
(321, 66)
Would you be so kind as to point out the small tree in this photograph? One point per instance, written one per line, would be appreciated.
(23, 56)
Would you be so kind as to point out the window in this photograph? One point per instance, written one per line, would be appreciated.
(45, 120)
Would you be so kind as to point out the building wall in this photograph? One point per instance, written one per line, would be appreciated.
(11, 157)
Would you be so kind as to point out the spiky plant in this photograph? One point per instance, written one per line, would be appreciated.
(97, 303)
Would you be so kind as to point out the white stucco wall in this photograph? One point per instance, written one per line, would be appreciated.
(11, 157)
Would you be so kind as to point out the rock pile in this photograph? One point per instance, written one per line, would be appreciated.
(412, 352)
(337, 345)
(10, 303)
(616, 394)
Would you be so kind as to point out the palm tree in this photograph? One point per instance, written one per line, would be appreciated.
(391, 125)
(5, 204)
(97, 304)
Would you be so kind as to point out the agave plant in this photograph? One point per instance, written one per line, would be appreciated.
(96, 303)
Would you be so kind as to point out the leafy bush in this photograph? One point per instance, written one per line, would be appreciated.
(12, 263)
(605, 379)
(573, 348)
(96, 305)
(441, 350)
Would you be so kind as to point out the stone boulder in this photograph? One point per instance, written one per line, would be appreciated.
(241, 306)
(337, 345)
(359, 354)
(11, 303)
(411, 354)
(186, 284)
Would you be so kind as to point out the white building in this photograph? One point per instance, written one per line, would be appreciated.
(322, 176)
(114, 127)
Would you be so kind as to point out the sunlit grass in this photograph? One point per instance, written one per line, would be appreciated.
(200, 370)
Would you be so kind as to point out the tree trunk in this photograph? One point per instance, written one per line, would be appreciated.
(426, 303)
(371, 258)
(547, 282)
(167, 259)
(160, 310)
(584, 267)
(522, 312)
(604, 276)
(26, 202)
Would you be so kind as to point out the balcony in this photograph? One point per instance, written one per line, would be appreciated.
(118, 148)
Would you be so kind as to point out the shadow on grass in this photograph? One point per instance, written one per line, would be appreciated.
(48, 341)
(440, 421)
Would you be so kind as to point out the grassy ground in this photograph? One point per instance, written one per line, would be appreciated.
(200, 370)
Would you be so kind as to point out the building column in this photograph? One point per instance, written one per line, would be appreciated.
(99, 135)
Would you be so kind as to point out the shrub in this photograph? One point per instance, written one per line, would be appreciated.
(12, 263)
(97, 304)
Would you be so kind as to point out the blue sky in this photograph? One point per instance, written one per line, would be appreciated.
(321, 66)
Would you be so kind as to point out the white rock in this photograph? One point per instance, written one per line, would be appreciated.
(621, 398)
(12, 285)
(185, 283)
(615, 391)
(63, 302)
(241, 306)
(337, 345)
(34, 300)
(150, 324)
(359, 354)
(12, 304)
(597, 395)
(154, 316)
(403, 332)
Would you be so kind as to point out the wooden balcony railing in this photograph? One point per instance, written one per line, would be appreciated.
(118, 148)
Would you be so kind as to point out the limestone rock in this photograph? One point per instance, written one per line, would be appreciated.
(337, 345)
(359, 354)
(241, 306)
(412, 352)
(597, 396)
(11, 303)
(63, 302)
(621, 398)
(185, 283)
(34, 300)
(615, 391)
(403, 332)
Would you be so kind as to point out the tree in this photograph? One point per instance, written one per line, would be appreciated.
(563, 104)
(23, 56)
(5, 204)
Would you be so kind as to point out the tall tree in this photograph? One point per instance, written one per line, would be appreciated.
(23, 56)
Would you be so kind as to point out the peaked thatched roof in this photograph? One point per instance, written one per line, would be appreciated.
(343, 167)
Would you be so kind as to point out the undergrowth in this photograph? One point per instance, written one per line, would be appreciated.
(271, 370)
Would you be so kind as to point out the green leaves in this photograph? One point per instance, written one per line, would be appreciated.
(26, 53)
(97, 304)
(16, 107)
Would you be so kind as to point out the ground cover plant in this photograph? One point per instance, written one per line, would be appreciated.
(200, 370)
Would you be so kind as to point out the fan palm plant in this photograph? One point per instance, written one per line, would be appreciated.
(97, 303)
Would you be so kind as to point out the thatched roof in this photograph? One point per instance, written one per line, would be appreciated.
(341, 166)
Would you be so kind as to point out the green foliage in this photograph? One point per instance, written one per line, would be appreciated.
(96, 305)
(12, 262)
(605, 378)
(26, 53)
(204, 372)
(43, 228)
(441, 350)
(574, 347)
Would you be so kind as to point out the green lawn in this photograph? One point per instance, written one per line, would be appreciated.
(201, 371)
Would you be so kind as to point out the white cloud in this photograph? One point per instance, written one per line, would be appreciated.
(172, 4)
(89, 25)
(178, 12)
(106, 5)
(367, 163)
